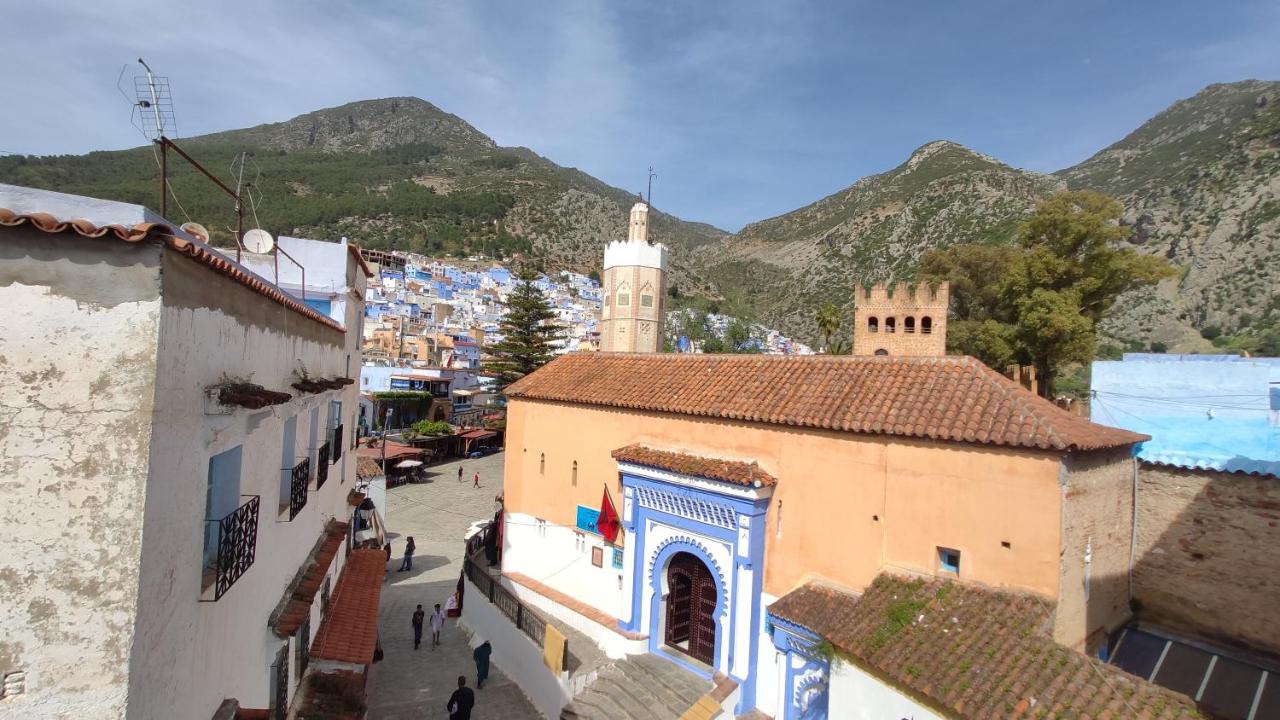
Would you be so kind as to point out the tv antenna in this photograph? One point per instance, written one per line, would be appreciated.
(153, 116)
(652, 175)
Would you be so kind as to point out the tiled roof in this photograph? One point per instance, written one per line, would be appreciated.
(367, 467)
(297, 605)
(730, 471)
(972, 652)
(394, 450)
(941, 398)
(349, 633)
(194, 249)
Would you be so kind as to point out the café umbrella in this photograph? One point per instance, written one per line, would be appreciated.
(408, 463)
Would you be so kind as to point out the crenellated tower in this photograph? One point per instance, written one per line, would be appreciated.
(901, 320)
(632, 287)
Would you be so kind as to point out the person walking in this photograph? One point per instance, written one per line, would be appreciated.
(459, 473)
(437, 624)
(409, 547)
(418, 617)
(475, 480)
(461, 701)
(481, 656)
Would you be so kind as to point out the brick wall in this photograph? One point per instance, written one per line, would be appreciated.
(1207, 554)
(1097, 523)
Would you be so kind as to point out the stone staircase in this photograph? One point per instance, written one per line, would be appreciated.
(641, 687)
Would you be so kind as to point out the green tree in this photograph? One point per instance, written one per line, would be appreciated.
(737, 337)
(828, 319)
(1040, 300)
(527, 332)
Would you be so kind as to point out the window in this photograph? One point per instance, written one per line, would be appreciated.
(575, 473)
(909, 325)
(624, 299)
(542, 463)
(287, 449)
(332, 423)
(617, 558)
(222, 497)
(324, 596)
(646, 301)
(301, 642)
(926, 325)
(881, 352)
(890, 324)
(948, 561)
(873, 325)
(313, 433)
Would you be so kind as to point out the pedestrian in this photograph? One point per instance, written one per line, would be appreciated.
(476, 479)
(409, 547)
(461, 701)
(459, 473)
(437, 624)
(418, 617)
(481, 656)
(388, 549)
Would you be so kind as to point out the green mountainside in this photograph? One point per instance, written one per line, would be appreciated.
(1200, 182)
(393, 173)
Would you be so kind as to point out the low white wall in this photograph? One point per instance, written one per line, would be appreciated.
(856, 695)
(770, 665)
(560, 557)
(614, 645)
(514, 653)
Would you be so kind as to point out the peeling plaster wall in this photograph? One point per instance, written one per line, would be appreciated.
(190, 655)
(78, 340)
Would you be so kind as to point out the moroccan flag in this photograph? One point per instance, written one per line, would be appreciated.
(608, 524)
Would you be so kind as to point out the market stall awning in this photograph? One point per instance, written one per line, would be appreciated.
(477, 434)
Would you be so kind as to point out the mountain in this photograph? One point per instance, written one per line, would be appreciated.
(873, 230)
(1200, 183)
(391, 173)
(1201, 186)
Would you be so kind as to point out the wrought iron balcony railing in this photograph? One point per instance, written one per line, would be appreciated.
(299, 481)
(236, 546)
(337, 445)
(322, 465)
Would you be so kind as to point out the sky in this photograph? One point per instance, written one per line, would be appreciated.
(746, 109)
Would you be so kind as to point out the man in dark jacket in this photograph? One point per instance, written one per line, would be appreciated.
(461, 701)
(419, 616)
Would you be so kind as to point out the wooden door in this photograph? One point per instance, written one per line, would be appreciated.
(702, 631)
(680, 595)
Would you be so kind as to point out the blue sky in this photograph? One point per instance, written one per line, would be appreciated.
(746, 109)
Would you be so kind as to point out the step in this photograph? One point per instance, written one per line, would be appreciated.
(641, 687)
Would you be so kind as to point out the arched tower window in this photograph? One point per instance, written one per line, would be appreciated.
(575, 473)
(909, 324)
(623, 298)
(890, 324)
(926, 325)
(542, 463)
(882, 352)
(873, 325)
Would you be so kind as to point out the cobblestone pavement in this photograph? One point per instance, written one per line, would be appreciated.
(416, 684)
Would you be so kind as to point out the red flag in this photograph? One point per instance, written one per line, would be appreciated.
(608, 524)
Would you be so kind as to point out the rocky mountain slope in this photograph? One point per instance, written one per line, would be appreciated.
(391, 173)
(1200, 181)
(1201, 186)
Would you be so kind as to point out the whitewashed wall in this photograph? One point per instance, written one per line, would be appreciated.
(77, 363)
(855, 695)
(560, 557)
(190, 655)
(515, 654)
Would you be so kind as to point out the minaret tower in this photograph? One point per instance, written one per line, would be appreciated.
(633, 286)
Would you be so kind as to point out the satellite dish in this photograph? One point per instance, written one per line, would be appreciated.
(199, 231)
(258, 240)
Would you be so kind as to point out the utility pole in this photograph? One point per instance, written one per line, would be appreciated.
(386, 429)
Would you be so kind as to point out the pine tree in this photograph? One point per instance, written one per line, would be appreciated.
(527, 333)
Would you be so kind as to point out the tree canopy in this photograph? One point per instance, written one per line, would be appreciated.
(527, 331)
(828, 319)
(1039, 301)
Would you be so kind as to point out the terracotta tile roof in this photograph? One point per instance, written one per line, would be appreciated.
(349, 632)
(972, 652)
(394, 450)
(941, 398)
(198, 251)
(366, 466)
(730, 471)
(299, 597)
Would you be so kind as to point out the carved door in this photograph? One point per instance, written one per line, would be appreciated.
(702, 641)
(691, 605)
(680, 587)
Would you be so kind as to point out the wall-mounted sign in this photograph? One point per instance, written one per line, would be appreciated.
(587, 519)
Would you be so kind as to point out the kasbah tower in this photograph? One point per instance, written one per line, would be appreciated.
(634, 283)
(903, 320)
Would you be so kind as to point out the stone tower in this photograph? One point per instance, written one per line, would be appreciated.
(907, 321)
(632, 287)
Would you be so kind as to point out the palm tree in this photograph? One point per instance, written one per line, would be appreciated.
(828, 318)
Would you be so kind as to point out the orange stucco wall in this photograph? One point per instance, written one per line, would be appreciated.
(848, 505)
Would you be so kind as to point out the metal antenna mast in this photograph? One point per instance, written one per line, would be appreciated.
(652, 175)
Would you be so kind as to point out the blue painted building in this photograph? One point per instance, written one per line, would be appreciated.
(1211, 412)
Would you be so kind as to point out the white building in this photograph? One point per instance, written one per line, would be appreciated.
(176, 469)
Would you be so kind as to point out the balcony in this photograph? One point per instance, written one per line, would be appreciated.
(299, 480)
(337, 445)
(322, 465)
(230, 546)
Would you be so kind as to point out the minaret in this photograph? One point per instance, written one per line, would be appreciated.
(633, 286)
